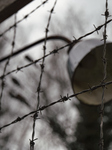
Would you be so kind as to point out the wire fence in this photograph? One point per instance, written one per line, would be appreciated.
(104, 76)
(62, 99)
(25, 17)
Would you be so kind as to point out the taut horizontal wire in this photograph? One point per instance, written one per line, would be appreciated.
(56, 50)
(62, 99)
(54, 37)
(26, 16)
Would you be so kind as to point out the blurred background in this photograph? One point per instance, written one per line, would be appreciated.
(64, 126)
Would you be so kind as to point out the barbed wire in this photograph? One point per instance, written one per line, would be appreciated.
(56, 50)
(52, 37)
(7, 62)
(44, 54)
(25, 17)
(62, 99)
(106, 14)
(35, 117)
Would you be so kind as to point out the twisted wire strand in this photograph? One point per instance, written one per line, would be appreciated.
(35, 117)
(7, 62)
(104, 78)
(25, 17)
(61, 100)
(55, 50)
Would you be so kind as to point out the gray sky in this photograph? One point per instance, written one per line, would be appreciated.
(35, 24)
(33, 27)
(91, 10)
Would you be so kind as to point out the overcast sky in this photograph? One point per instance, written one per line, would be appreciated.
(91, 10)
(35, 24)
(33, 28)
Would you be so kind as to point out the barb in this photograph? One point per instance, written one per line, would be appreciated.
(62, 99)
(25, 17)
(104, 78)
(44, 54)
(7, 63)
(56, 50)
(54, 37)
(41, 76)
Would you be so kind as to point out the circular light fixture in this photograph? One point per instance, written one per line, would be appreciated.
(85, 67)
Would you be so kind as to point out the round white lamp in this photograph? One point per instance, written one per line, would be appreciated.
(85, 67)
